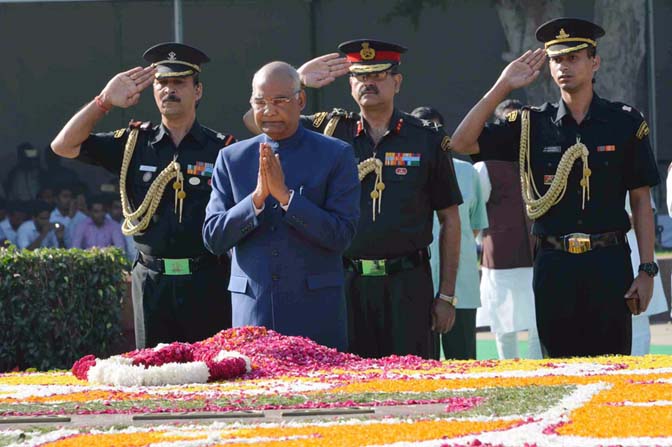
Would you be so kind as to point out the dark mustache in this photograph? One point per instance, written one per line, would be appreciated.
(172, 98)
(368, 89)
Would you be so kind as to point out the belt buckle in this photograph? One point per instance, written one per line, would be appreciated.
(373, 267)
(578, 243)
(176, 267)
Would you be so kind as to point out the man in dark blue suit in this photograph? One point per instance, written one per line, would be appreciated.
(287, 202)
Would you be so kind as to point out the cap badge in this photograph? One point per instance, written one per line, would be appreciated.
(366, 52)
(172, 56)
(562, 34)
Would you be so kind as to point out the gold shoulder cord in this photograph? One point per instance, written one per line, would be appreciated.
(364, 168)
(153, 197)
(537, 205)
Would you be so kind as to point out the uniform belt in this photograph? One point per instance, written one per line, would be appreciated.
(386, 266)
(578, 243)
(161, 265)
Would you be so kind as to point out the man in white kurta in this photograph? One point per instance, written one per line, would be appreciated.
(507, 298)
(641, 331)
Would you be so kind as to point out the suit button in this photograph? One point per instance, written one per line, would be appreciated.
(275, 252)
(272, 227)
(275, 277)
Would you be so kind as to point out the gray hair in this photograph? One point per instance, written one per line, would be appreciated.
(278, 68)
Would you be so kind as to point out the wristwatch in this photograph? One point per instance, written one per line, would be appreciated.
(450, 299)
(650, 268)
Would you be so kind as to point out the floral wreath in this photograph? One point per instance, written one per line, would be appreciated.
(173, 364)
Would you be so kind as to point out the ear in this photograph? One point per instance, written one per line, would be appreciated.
(302, 99)
(596, 63)
(199, 90)
(398, 78)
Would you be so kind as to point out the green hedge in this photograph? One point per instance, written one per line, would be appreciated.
(58, 305)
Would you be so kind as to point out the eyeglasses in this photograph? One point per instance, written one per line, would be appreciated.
(277, 101)
(375, 77)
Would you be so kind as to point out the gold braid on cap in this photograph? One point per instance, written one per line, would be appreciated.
(537, 205)
(173, 74)
(570, 39)
(566, 50)
(364, 168)
(357, 69)
(153, 197)
(176, 62)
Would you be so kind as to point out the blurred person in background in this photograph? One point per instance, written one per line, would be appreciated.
(66, 212)
(24, 179)
(38, 232)
(17, 213)
(98, 230)
(460, 342)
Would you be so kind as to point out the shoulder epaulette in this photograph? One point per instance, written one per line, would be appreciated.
(219, 137)
(541, 108)
(627, 109)
(146, 125)
(637, 116)
(339, 112)
(423, 124)
(431, 124)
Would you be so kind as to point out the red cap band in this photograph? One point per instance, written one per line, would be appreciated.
(380, 56)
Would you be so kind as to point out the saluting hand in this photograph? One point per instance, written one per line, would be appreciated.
(261, 192)
(124, 89)
(323, 70)
(275, 177)
(524, 70)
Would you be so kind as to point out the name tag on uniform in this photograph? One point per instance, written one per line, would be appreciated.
(176, 267)
(552, 150)
(147, 168)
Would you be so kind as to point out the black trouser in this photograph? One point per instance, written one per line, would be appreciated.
(391, 314)
(580, 303)
(460, 342)
(185, 308)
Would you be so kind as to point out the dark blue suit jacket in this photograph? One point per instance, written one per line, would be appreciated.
(287, 271)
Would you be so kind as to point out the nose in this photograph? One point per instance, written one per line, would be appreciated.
(269, 108)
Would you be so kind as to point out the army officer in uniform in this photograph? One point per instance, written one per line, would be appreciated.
(179, 288)
(578, 157)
